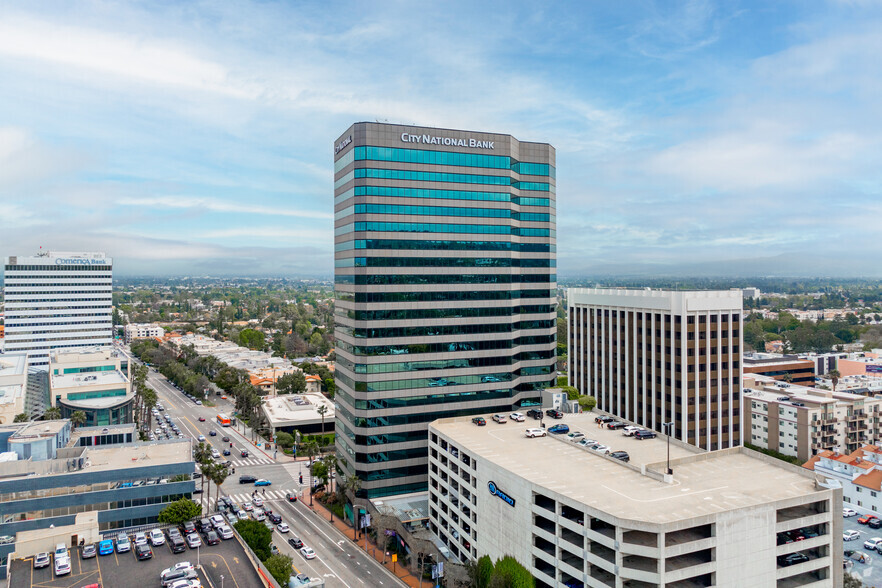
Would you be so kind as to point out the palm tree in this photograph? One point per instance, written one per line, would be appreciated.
(218, 475)
(78, 418)
(52, 413)
(331, 461)
(207, 470)
(322, 410)
(834, 377)
(311, 449)
(202, 457)
(353, 485)
(21, 417)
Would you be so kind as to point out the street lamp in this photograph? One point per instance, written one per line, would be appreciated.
(668, 427)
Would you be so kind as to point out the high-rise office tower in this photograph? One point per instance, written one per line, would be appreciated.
(57, 300)
(656, 357)
(445, 288)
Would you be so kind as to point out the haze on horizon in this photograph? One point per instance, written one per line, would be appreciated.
(703, 138)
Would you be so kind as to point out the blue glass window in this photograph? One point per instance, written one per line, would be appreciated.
(420, 176)
(431, 157)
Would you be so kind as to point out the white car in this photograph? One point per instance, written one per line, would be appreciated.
(535, 433)
(499, 418)
(517, 417)
(193, 583)
(851, 535)
(257, 501)
(258, 515)
(307, 552)
(61, 551)
(217, 520)
(849, 512)
(225, 532)
(873, 543)
(201, 438)
(601, 448)
(283, 528)
(140, 539)
(62, 566)
(181, 565)
(215, 454)
(156, 537)
(630, 430)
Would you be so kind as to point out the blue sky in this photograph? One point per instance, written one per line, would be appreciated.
(196, 138)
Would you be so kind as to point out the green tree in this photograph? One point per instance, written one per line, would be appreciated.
(78, 418)
(834, 377)
(284, 440)
(252, 339)
(218, 475)
(294, 383)
(180, 511)
(21, 417)
(849, 581)
(587, 403)
(485, 570)
(52, 413)
(257, 536)
(572, 393)
(311, 449)
(331, 461)
(280, 567)
(319, 471)
(512, 573)
(352, 484)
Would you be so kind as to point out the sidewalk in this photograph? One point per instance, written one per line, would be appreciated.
(402, 573)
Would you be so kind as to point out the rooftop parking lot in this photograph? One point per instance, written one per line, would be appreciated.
(123, 570)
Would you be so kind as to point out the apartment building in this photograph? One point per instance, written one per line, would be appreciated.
(576, 517)
(655, 357)
(859, 473)
(802, 421)
(445, 277)
(135, 331)
(57, 300)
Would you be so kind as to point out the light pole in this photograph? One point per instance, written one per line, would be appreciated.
(668, 427)
(222, 581)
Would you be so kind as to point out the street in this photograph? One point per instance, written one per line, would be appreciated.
(338, 561)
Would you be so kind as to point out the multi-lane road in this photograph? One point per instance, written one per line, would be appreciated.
(338, 560)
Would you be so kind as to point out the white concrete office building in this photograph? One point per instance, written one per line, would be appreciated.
(657, 356)
(57, 300)
(142, 331)
(575, 517)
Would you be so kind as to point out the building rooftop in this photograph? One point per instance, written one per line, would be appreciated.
(704, 483)
(38, 429)
(88, 379)
(294, 409)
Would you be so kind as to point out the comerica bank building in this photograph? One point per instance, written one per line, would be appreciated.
(445, 288)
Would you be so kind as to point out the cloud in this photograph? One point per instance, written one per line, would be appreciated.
(214, 205)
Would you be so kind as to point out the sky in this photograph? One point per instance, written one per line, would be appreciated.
(692, 137)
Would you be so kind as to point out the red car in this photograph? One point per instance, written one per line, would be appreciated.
(201, 419)
(866, 519)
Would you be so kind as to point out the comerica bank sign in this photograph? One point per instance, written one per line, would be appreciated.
(78, 261)
(495, 491)
(448, 141)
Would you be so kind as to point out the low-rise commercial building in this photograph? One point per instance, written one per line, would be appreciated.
(801, 421)
(299, 412)
(575, 517)
(13, 385)
(789, 368)
(142, 331)
(126, 485)
(91, 380)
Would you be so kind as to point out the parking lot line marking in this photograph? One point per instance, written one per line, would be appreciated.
(232, 575)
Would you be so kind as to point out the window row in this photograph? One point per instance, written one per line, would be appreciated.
(445, 347)
(388, 227)
(462, 211)
(427, 296)
(383, 279)
(442, 330)
(401, 192)
(439, 364)
(430, 313)
(58, 268)
(444, 245)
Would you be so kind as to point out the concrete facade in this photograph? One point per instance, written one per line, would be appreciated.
(574, 517)
(654, 356)
(142, 331)
(445, 282)
(91, 380)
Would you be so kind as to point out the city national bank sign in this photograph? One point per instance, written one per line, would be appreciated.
(78, 261)
(448, 141)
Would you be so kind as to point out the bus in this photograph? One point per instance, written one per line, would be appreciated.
(223, 420)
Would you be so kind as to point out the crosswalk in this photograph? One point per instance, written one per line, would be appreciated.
(251, 461)
(240, 498)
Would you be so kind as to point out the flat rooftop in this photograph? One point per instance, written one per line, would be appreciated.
(293, 409)
(88, 379)
(704, 483)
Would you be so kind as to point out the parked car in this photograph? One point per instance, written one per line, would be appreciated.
(479, 421)
(140, 539)
(875, 524)
(621, 455)
(174, 576)
(90, 550)
(61, 551)
(792, 559)
(143, 552)
(534, 413)
(217, 520)
(499, 418)
(193, 541)
(188, 527)
(600, 448)
(850, 535)
(554, 413)
(517, 417)
(535, 433)
(156, 537)
(603, 419)
(849, 512)
(866, 519)
(616, 425)
(247, 479)
(645, 434)
(225, 532)
(41, 560)
(123, 544)
(62, 566)
(574, 436)
(873, 544)
(212, 538)
(177, 544)
(559, 429)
